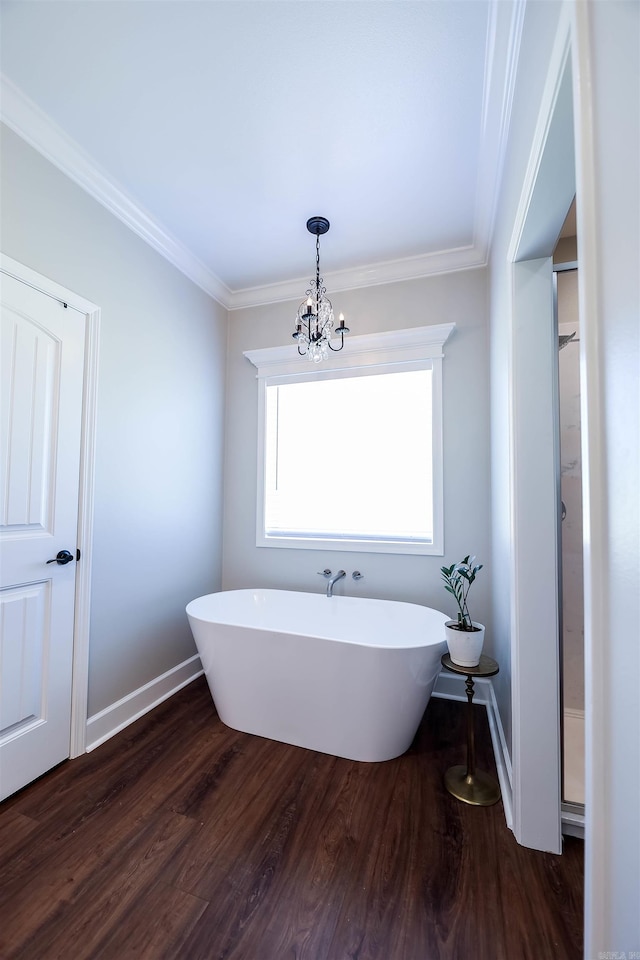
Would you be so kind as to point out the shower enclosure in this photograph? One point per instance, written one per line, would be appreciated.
(572, 607)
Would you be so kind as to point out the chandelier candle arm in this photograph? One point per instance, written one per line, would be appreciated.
(315, 327)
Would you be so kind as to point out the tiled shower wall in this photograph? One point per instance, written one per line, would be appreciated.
(571, 492)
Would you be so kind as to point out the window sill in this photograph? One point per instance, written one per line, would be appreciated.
(409, 547)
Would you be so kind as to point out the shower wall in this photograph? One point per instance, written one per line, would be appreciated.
(571, 493)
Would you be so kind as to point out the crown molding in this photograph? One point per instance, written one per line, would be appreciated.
(31, 123)
(371, 275)
(34, 126)
(504, 32)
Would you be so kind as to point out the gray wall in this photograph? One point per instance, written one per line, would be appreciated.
(158, 481)
(459, 297)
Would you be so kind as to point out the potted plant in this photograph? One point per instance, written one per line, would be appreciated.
(465, 637)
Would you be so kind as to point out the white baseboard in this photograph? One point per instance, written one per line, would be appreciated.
(572, 820)
(450, 686)
(114, 718)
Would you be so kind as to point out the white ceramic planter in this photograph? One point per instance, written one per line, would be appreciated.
(465, 647)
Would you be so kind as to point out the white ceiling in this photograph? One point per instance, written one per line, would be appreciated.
(217, 127)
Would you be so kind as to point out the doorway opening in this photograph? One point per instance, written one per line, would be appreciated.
(571, 565)
(548, 191)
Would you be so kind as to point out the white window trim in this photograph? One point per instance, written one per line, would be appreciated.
(373, 353)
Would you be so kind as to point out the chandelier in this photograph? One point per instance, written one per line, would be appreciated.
(314, 320)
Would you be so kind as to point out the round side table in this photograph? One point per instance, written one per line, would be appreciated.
(465, 782)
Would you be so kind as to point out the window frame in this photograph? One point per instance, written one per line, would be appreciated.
(418, 348)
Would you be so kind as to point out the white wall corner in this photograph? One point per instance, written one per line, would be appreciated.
(31, 123)
(114, 718)
(451, 686)
(504, 35)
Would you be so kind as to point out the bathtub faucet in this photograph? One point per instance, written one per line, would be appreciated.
(334, 579)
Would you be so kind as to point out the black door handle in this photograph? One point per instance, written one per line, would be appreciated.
(63, 557)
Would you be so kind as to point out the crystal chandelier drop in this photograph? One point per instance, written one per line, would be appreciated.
(314, 320)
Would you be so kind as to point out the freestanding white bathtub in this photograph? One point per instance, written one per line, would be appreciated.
(347, 676)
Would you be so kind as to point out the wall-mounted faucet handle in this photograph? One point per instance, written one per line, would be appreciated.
(357, 575)
(324, 573)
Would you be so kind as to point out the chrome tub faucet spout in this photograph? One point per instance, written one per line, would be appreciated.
(337, 576)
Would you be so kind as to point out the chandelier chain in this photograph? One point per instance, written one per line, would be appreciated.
(317, 266)
(314, 326)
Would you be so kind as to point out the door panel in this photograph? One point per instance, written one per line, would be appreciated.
(23, 613)
(42, 357)
(30, 375)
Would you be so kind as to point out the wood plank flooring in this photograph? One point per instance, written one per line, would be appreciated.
(182, 838)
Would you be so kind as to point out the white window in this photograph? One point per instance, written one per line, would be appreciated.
(350, 455)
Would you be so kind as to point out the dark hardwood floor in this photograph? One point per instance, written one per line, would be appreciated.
(181, 838)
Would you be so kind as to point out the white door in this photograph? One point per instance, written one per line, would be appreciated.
(42, 363)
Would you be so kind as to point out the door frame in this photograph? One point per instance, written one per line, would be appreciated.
(535, 610)
(80, 669)
(548, 188)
